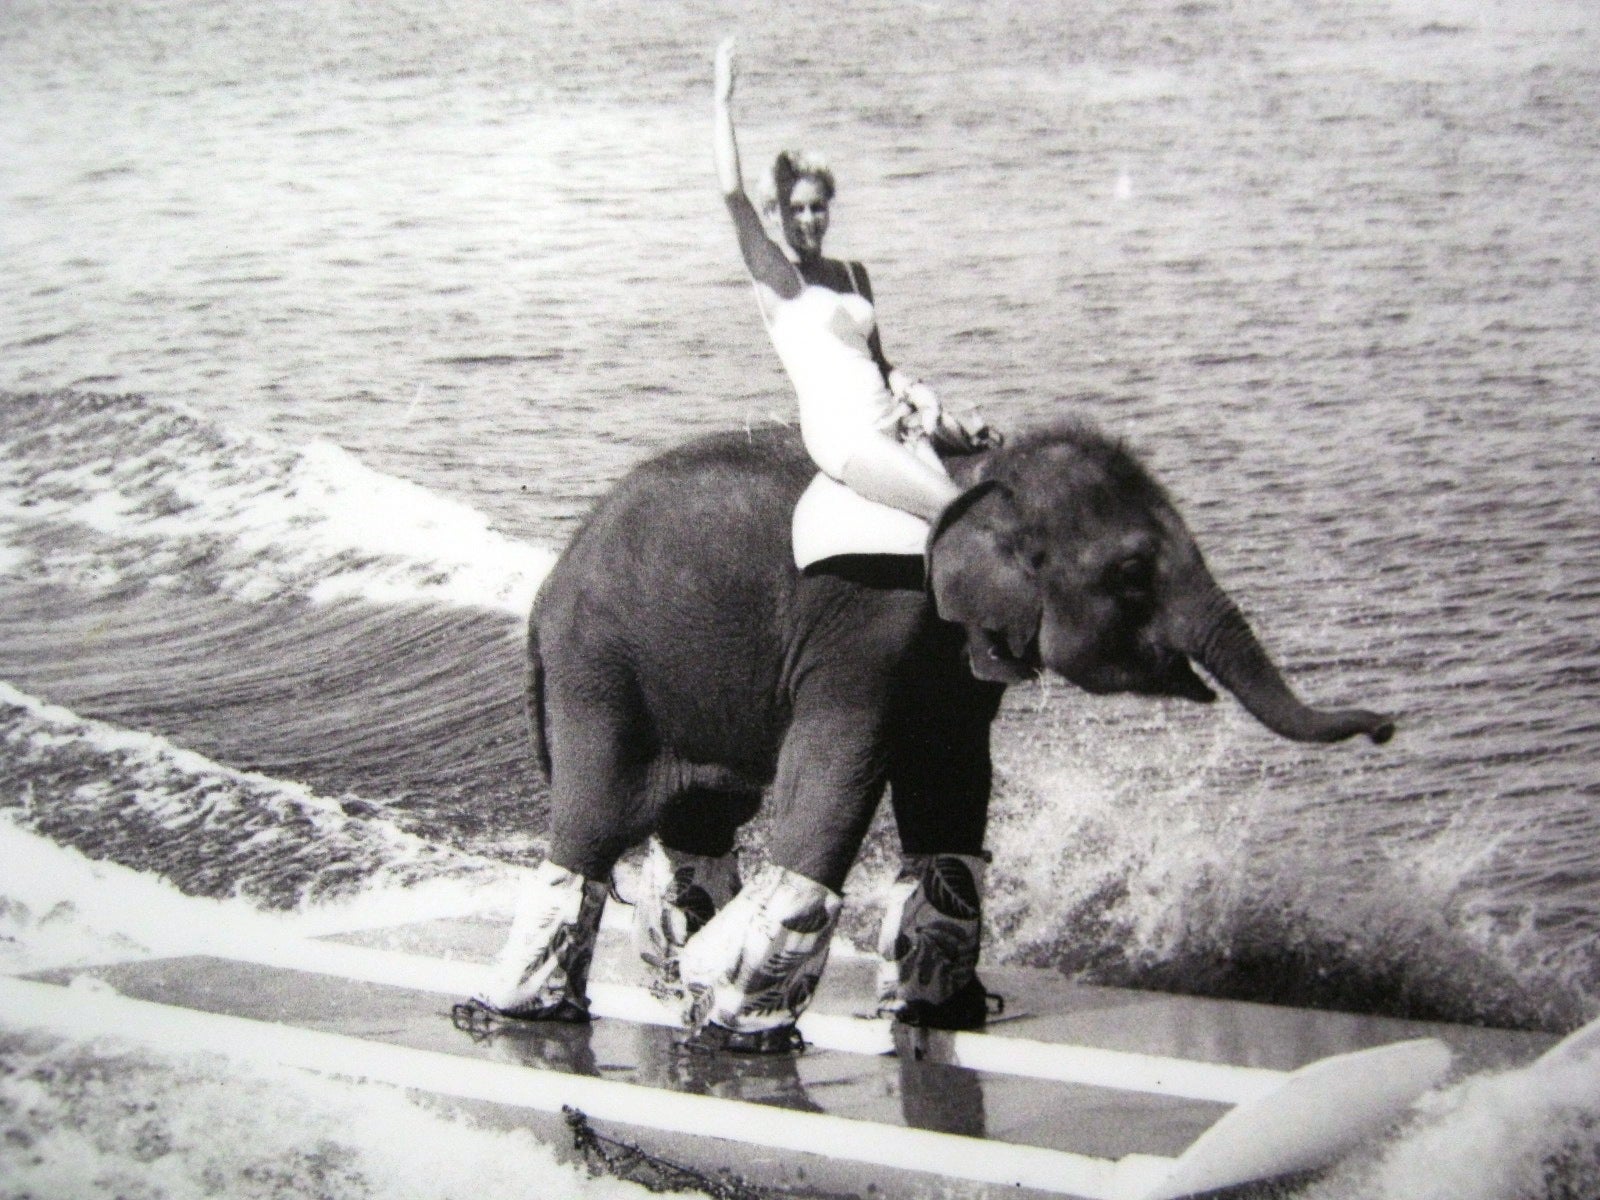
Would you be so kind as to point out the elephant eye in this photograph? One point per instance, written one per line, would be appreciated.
(1131, 576)
(1028, 551)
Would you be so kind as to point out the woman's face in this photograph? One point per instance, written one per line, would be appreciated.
(805, 217)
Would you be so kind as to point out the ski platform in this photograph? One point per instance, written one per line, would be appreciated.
(1091, 1092)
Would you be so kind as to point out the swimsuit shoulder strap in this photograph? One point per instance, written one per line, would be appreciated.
(855, 281)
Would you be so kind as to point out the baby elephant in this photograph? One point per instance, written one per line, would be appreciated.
(680, 664)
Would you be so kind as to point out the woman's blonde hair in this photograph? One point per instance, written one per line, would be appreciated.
(788, 169)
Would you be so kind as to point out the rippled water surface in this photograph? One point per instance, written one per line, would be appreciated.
(402, 287)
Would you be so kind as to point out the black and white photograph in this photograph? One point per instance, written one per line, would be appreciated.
(915, 599)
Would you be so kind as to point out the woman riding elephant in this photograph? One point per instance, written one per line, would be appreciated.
(869, 426)
(681, 665)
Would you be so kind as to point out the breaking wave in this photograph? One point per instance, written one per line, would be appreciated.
(116, 493)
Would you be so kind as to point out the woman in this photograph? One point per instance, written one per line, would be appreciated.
(819, 314)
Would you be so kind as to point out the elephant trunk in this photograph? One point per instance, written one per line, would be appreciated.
(1212, 631)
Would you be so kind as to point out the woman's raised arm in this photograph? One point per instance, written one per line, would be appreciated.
(764, 259)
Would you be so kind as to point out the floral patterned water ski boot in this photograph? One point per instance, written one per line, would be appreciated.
(753, 969)
(929, 944)
(542, 973)
(679, 893)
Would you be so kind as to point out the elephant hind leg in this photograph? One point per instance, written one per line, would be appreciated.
(704, 817)
(600, 806)
(542, 972)
(690, 873)
(678, 894)
(605, 785)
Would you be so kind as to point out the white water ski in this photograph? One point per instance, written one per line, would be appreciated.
(1157, 1074)
(1009, 1110)
(1583, 1042)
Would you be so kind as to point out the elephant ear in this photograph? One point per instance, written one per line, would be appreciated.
(981, 579)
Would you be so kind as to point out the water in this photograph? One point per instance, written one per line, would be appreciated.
(359, 306)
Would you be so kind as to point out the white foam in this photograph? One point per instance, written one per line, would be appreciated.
(105, 1119)
(61, 726)
(434, 549)
(60, 907)
(12, 559)
(1523, 1133)
(180, 504)
(100, 1118)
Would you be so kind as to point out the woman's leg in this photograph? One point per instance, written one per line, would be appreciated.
(893, 473)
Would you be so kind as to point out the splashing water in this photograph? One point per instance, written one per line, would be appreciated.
(1528, 1133)
(105, 1120)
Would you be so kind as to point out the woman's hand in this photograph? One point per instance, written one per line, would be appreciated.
(722, 85)
(964, 434)
(925, 404)
(917, 412)
(916, 407)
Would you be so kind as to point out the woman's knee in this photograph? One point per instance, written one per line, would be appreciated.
(890, 473)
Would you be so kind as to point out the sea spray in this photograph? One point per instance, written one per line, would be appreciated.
(1151, 860)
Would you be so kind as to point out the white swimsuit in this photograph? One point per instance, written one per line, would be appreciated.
(822, 339)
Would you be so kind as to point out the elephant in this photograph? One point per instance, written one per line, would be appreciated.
(681, 667)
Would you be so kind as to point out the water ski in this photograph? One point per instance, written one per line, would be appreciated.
(1100, 1093)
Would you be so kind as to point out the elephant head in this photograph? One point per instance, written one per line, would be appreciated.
(1067, 555)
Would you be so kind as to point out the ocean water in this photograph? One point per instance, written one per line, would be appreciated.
(320, 327)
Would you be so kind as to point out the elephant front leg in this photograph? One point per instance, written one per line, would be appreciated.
(542, 973)
(752, 971)
(929, 943)
(940, 776)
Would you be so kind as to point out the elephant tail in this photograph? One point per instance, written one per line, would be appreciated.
(535, 693)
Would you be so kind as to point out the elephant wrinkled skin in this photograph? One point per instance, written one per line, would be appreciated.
(680, 663)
